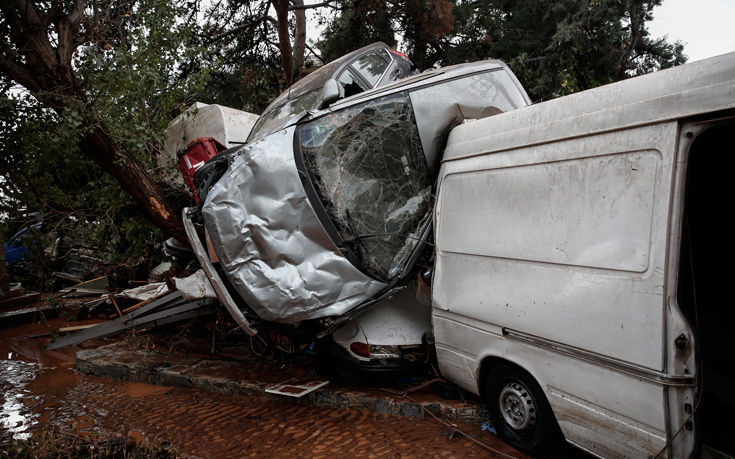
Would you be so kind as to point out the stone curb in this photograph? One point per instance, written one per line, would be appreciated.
(106, 361)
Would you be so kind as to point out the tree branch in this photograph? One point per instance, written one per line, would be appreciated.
(18, 72)
(239, 28)
(313, 5)
(314, 53)
(299, 39)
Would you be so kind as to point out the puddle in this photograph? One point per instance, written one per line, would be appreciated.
(31, 379)
(16, 416)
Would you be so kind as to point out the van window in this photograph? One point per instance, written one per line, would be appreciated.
(367, 165)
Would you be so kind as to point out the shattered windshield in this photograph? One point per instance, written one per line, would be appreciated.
(368, 166)
(272, 120)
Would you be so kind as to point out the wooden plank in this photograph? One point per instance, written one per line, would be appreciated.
(98, 285)
(139, 305)
(111, 296)
(19, 300)
(170, 311)
(75, 328)
(20, 312)
(63, 330)
(200, 311)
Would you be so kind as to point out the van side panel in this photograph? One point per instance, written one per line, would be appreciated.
(564, 242)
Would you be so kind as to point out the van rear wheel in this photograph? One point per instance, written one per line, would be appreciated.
(519, 410)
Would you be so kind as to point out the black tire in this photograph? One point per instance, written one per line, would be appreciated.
(528, 422)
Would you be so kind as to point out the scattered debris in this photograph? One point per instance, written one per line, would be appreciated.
(195, 286)
(168, 309)
(62, 330)
(145, 292)
(296, 387)
(156, 274)
(96, 286)
(13, 300)
(18, 313)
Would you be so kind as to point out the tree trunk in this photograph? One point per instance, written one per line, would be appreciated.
(135, 180)
(284, 39)
(299, 42)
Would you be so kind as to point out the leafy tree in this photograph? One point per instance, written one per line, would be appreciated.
(422, 24)
(555, 47)
(240, 37)
(253, 39)
(108, 75)
(82, 115)
(47, 177)
(565, 46)
(360, 23)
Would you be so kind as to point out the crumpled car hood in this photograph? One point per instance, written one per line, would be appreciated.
(270, 243)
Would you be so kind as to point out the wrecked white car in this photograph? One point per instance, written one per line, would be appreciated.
(330, 214)
(368, 67)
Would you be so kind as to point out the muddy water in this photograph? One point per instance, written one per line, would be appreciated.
(31, 378)
(39, 390)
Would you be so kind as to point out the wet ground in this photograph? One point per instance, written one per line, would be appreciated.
(39, 389)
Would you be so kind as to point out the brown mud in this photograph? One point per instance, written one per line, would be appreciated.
(40, 390)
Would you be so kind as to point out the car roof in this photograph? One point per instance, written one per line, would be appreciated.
(317, 78)
(427, 77)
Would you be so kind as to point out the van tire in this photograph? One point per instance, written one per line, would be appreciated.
(519, 410)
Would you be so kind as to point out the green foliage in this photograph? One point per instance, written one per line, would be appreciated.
(250, 85)
(243, 55)
(46, 174)
(134, 84)
(554, 47)
(361, 23)
(557, 48)
(133, 80)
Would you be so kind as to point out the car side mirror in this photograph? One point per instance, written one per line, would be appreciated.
(330, 93)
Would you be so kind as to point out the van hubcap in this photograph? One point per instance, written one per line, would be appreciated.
(517, 406)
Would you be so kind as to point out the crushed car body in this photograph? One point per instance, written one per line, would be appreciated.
(330, 213)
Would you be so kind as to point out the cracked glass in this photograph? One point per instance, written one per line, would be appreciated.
(274, 119)
(368, 167)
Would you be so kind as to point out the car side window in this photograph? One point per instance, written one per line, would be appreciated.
(349, 84)
(367, 165)
(371, 67)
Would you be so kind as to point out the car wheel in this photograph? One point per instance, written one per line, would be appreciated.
(519, 410)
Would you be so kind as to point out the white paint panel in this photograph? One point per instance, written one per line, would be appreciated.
(604, 202)
(618, 314)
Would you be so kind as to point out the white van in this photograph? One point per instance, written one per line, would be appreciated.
(583, 257)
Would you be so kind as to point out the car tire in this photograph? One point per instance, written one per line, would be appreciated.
(519, 410)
